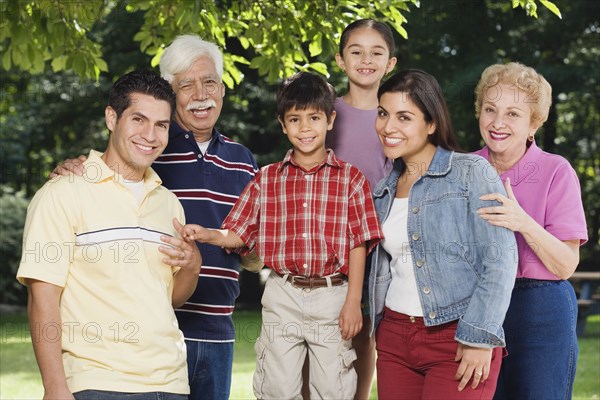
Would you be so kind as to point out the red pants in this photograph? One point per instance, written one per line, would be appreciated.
(417, 362)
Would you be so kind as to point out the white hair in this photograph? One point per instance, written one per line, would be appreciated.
(185, 51)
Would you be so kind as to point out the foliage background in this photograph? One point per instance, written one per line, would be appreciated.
(48, 113)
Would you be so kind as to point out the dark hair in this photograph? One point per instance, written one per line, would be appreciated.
(303, 90)
(144, 82)
(425, 91)
(383, 29)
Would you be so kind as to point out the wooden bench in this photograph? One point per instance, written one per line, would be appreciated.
(588, 301)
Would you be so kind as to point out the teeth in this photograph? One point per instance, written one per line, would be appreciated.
(307, 140)
(390, 140)
(145, 148)
(498, 136)
(201, 112)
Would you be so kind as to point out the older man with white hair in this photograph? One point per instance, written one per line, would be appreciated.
(207, 171)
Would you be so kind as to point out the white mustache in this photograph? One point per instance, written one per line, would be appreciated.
(198, 105)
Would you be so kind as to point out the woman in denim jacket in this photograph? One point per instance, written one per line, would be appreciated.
(441, 280)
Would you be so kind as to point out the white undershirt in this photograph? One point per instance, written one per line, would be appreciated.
(402, 295)
(137, 188)
(203, 146)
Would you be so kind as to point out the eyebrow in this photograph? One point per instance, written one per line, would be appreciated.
(361, 46)
(141, 115)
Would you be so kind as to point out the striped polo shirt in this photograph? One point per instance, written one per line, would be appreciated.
(208, 185)
(89, 235)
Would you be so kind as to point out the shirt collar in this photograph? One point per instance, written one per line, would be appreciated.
(176, 130)
(523, 168)
(97, 171)
(331, 160)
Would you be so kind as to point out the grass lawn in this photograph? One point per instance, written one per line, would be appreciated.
(20, 379)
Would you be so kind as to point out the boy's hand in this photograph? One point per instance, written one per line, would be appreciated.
(69, 166)
(182, 253)
(350, 320)
(196, 232)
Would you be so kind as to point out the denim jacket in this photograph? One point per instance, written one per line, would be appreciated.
(465, 267)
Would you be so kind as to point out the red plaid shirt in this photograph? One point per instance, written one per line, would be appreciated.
(305, 222)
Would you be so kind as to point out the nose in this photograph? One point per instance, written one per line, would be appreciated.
(149, 133)
(304, 125)
(498, 121)
(200, 92)
(389, 126)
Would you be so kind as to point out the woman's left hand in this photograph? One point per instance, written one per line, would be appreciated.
(474, 363)
(509, 215)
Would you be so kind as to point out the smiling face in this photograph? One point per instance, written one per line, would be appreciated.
(365, 58)
(306, 130)
(200, 94)
(138, 136)
(403, 130)
(505, 122)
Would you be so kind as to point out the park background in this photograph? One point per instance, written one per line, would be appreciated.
(60, 57)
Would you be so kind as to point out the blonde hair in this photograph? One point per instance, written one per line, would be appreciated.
(535, 86)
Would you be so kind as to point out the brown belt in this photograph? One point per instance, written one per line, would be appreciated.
(305, 282)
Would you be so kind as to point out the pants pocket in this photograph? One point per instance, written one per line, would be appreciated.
(259, 374)
(347, 374)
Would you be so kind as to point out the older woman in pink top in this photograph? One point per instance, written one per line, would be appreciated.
(545, 211)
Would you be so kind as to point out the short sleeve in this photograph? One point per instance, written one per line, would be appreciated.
(565, 216)
(243, 219)
(49, 238)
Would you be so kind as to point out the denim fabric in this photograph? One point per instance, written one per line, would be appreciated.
(541, 342)
(209, 369)
(465, 267)
(108, 395)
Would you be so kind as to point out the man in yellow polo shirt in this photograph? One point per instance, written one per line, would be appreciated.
(104, 265)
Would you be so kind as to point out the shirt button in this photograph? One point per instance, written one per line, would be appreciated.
(415, 210)
(199, 155)
(304, 204)
(187, 136)
(304, 266)
(426, 290)
(420, 263)
(432, 314)
(305, 235)
(415, 236)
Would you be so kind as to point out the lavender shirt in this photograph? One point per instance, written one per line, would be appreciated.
(547, 188)
(354, 140)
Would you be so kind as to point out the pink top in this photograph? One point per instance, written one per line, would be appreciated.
(354, 140)
(547, 188)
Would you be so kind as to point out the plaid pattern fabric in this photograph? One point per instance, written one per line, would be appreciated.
(305, 222)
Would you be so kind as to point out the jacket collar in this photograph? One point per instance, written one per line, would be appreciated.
(440, 166)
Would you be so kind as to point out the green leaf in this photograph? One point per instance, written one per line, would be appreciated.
(6, 60)
(315, 47)
(320, 68)
(58, 64)
(552, 7)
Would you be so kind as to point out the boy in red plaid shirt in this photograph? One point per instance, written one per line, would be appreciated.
(309, 218)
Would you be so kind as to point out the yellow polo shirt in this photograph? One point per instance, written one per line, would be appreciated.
(90, 236)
